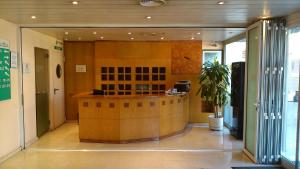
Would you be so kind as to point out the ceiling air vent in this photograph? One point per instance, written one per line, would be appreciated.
(151, 3)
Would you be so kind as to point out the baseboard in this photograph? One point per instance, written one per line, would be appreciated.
(249, 155)
(198, 124)
(71, 121)
(7, 156)
(28, 143)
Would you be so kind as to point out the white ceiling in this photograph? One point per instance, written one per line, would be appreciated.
(128, 13)
(141, 34)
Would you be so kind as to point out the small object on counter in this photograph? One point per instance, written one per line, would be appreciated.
(183, 86)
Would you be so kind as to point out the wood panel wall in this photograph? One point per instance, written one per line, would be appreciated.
(132, 54)
(119, 53)
(77, 53)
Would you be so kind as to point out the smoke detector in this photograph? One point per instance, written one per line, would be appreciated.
(152, 3)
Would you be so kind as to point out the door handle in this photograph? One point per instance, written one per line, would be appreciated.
(55, 90)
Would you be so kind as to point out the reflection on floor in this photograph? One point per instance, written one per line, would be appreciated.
(197, 148)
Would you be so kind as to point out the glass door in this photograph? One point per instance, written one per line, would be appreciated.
(234, 52)
(251, 90)
(290, 114)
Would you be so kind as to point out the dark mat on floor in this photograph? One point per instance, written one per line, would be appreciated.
(257, 168)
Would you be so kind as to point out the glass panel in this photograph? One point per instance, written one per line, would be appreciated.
(235, 52)
(290, 115)
(252, 81)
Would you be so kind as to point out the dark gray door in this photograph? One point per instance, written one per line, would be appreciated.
(42, 90)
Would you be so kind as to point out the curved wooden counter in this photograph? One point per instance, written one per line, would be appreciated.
(121, 119)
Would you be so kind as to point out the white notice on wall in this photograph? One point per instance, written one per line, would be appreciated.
(26, 68)
(80, 68)
(13, 59)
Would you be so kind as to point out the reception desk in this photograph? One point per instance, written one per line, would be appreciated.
(122, 119)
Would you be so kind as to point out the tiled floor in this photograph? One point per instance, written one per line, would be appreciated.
(197, 148)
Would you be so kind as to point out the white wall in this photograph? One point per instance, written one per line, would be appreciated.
(293, 19)
(31, 39)
(9, 110)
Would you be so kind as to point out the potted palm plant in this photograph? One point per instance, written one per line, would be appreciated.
(214, 81)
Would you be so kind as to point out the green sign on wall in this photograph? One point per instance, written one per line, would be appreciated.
(5, 88)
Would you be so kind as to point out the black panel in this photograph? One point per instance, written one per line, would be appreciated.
(162, 77)
(127, 69)
(145, 69)
(103, 77)
(237, 84)
(111, 77)
(120, 77)
(111, 87)
(155, 70)
(104, 87)
(237, 98)
(120, 70)
(138, 77)
(111, 70)
(121, 86)
(162, 87)
(127, 77)
(154, 87)
(138, 70)
(127, 87)
(145, 87)
(139, 92)
(155, 77)
(103, 69)
(139, 87)
(145, 77)
(162, 70)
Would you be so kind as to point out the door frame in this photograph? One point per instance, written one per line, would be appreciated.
(21, 89)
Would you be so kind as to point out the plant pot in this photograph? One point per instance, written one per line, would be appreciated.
(215, 123)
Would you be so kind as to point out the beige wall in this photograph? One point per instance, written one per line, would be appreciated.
(9, 110)
(31, 39)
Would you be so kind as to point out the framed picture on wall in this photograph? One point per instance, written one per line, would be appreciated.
(212, 55)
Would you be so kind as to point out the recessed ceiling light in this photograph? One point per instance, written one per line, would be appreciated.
(192, 38)
(129, 33)
(33, 17)
(148, 17)
(162, 38)
(66, 33)
(94, 33)
(264, 17)
(75, 2)
(198, 33)
(132, 38)
(221, 3)
(101, 37)
(152, 3)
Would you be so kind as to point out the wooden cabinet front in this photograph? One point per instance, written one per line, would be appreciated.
(121, 119)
